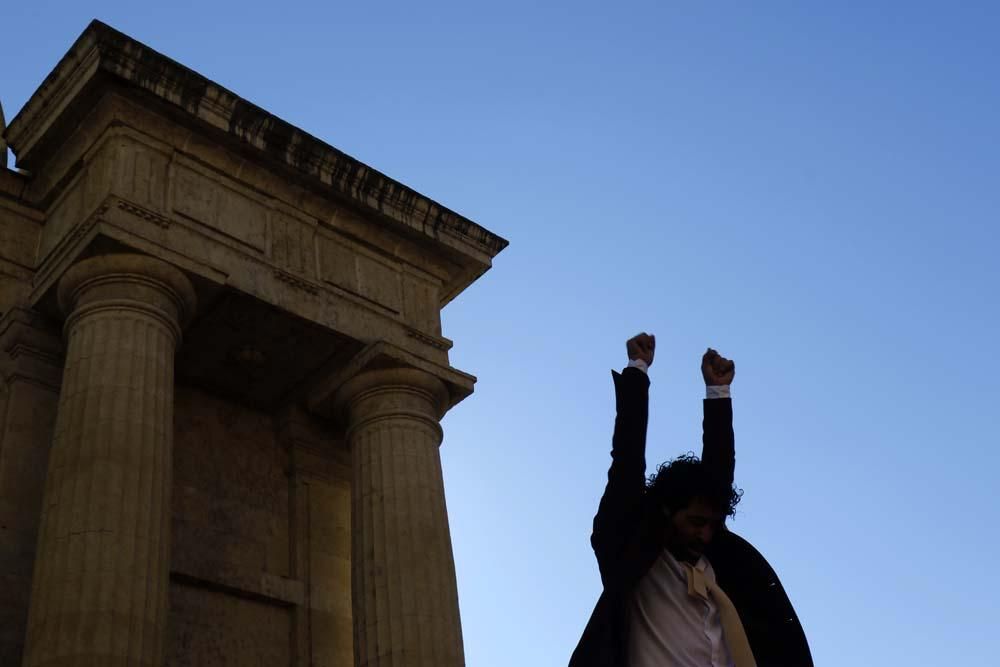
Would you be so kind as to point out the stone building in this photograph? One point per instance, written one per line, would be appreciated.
(223, 376)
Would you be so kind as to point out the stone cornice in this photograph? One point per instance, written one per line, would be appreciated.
(103, 54)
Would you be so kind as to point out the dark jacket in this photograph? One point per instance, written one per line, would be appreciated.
(628, 537)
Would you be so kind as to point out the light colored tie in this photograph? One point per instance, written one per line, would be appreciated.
(739, 646)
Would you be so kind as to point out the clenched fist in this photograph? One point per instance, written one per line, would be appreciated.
(716, 369)
(642, 347)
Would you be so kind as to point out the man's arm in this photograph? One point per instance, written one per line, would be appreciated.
(718, 451)
(620, 506)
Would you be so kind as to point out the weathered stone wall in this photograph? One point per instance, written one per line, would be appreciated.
(213, 629)
(230, 506)
(260, 569)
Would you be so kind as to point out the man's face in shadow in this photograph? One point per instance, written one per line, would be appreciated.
(691, 529)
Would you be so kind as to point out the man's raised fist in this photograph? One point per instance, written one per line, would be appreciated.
(641, 347)
(716, 369)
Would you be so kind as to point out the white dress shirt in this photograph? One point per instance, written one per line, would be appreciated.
(668, 627)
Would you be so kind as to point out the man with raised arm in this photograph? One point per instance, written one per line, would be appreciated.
(680, 589)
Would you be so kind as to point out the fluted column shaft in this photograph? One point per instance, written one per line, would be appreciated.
(99, 591)
(404, 593)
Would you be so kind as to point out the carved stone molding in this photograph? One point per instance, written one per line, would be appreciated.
(145, 214)
(295, 281)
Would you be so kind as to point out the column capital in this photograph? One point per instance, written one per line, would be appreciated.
(402, 378)
(126, 280)
(392, 392)
(394, 366)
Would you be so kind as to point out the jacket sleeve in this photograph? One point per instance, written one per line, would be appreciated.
(718, 451)
(620, 508)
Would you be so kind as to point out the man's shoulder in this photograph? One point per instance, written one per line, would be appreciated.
(732, 556)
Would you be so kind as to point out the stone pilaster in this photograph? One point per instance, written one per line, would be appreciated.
(99, 591)
(31, 366)
(405, 599)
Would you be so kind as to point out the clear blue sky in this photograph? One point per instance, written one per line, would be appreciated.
(811, 189)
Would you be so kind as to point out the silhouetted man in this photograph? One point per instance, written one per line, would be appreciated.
(680, 589)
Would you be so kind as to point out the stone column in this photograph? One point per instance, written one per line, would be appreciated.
(405, 598)
(99, 592)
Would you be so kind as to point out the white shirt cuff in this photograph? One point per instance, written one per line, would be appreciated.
(717, 391)
(640, 364)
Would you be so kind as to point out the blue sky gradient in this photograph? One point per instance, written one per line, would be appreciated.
(810, 188)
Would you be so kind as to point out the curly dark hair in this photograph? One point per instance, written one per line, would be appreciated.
(676, 483)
